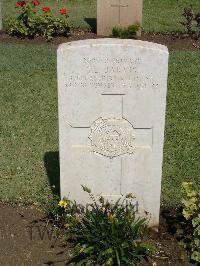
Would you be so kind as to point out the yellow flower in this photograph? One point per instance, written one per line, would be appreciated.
(63, 203)
(66, 225)
(82, 249)
(110, 216)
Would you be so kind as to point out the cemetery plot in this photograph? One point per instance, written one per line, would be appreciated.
(120, 140)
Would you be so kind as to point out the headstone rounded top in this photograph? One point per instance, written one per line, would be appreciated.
(113, 41)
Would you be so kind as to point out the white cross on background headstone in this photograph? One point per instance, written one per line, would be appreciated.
(113, 13)
(119, 6)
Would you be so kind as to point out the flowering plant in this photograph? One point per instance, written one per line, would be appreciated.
(20, 3)
(63, 11)
(103, 232)
(46, 9)
(34, 20)
(35, 2)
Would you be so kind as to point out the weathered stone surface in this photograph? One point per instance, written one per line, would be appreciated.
(112, 97)
(115, 13)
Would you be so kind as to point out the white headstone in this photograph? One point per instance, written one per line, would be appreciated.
(112, 98)
(118, 13)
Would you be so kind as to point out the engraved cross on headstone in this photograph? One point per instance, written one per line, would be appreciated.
(140, 138)
(119, 6)
(101, 143)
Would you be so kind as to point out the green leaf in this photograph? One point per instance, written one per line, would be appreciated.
(196, 256)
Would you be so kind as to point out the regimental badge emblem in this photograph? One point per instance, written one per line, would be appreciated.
(112, 137)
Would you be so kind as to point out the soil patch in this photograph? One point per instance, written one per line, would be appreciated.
(27, 239)
(173, 41)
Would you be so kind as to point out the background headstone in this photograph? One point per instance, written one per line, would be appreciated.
(1, 19)
(112, 97)
(115, 13)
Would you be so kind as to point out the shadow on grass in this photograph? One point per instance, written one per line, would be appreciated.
(51, 162)
(92, 22)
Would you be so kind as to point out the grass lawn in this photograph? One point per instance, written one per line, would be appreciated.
(182, 142)
(29, 123)
(159, 15)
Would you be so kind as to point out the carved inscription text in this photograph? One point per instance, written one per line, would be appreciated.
(114, 73)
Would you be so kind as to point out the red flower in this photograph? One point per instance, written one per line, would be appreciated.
(63, 11)
(35, 2)
(20, 4)
(46, 9)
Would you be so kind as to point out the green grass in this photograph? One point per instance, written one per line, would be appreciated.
(158, 15)
(29, 122)
(182, 142)
(165, 15)
(28, 105)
